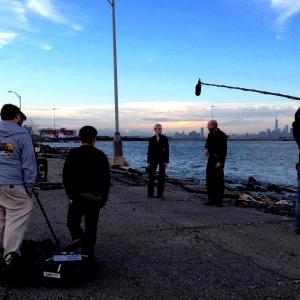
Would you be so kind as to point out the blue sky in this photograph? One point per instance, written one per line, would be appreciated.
(58, 54)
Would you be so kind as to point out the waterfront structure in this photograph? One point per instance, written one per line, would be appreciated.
(57, 133)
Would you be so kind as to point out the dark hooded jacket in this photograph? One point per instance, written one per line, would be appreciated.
(86, 170)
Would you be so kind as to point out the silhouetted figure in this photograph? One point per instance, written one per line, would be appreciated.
(158, 155)
(86, 177)
(296, 134)
(216, 151)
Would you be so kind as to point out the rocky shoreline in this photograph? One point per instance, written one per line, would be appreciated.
(267, 197)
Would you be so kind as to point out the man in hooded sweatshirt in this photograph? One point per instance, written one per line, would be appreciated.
(17, 177)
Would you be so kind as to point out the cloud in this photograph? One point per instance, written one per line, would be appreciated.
(46, 9)
(46, 47)
(15, 17)
(20, 11)
(175, 116)
(285, 9)
(6, 38)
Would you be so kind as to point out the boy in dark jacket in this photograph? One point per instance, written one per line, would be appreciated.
(158, 155)
(86, 176)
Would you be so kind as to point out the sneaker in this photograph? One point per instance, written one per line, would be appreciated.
(297, 230)
(11, 258)
(219, 205)
(209, 203)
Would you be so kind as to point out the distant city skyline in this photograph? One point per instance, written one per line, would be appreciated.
(277, 131)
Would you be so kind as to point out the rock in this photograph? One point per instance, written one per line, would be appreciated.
(274, 188)
(252, 180)
(283, 202)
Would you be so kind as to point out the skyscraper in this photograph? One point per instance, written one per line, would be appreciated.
(276, 129)
(202, 132)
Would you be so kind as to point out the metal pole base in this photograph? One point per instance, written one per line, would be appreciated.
(118, 159)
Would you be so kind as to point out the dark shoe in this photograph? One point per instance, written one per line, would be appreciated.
(161, 197)
(76, 245)
(150, 196)
(9, 265)
(209, 203)
(219, 205)
(297, 230)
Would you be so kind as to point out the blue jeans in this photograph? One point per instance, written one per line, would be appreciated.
(297, 208)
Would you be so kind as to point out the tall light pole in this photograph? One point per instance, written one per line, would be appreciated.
(212, 112)
(117, 144)
(18, 97)
(54, 118)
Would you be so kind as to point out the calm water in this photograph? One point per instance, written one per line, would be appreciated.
(267, 161)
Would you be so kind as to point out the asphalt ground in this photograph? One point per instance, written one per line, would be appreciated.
(172, 248)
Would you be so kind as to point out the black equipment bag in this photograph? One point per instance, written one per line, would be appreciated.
(65, 268)
(58, 266)
(44, 262)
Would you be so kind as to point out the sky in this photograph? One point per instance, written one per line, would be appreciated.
(58, 56)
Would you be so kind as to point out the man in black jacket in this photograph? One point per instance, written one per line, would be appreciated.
(296, 134)
(86, 176)
(216, 151)
(158, 155)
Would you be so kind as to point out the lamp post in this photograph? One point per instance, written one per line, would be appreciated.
(212, 112)
(117, 144)
(54, 118)
(18, 97)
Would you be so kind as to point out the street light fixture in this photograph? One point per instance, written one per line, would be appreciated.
(117, 144)
(17, 96)
(212, 112)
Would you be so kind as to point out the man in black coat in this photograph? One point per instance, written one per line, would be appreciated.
(158, 155)
(296, 134)
(216, 151)
(86, 177)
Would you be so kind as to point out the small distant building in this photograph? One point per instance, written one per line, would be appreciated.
(202, 132)
(285, 130)
(193, 134)
(57, 133)
(66, 133)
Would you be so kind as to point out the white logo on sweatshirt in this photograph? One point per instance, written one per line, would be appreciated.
(6, 149)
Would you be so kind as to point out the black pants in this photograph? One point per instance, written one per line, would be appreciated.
(89, 208)
(161, 178)
(214, 183)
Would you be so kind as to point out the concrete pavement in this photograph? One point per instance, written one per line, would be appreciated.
(174, 248)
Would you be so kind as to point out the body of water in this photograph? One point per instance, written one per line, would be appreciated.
(267, 161)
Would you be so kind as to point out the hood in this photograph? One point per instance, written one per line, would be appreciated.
(8, 128)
